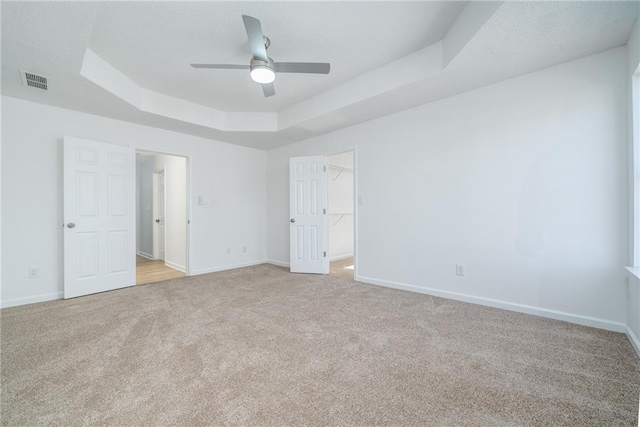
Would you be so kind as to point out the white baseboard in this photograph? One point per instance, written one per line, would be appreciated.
(633, 339)
(30, 300)
(175, 266)
(227, 267)
(505, 305)
(145, 255)
(339, 257)
(278, 263)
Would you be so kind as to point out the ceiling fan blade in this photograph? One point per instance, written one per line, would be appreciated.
(256, 38)
(303, 67)
(268, 89)
(222, 66)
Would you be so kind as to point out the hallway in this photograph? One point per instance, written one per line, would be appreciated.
(342, 268)
(151, 271)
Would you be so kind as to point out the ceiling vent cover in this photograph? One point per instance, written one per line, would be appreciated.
(34, 80)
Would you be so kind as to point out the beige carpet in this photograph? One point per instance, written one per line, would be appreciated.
(260, 346)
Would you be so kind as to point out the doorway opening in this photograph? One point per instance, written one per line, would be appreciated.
(341, 204)
(161, 217)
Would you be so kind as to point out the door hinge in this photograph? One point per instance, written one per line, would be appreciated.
(324, 168)
(325, 254)
(324, 211)
(188, 221)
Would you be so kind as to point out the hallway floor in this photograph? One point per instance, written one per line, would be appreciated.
(342, 268)
(151, 271)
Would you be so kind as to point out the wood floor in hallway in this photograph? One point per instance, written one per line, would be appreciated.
(151, 271)
(342, 268)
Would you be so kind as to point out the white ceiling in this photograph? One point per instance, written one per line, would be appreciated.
(152, 43)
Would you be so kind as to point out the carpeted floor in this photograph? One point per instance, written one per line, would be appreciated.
(260, 346)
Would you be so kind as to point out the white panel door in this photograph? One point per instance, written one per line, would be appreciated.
(99, 217)
(159, 204)
(308, 220)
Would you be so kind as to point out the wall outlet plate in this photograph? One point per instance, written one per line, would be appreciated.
(33, 272)
(460, 269)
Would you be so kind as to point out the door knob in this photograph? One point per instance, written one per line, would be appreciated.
(71, 225)
(158, 221)
(293, 220)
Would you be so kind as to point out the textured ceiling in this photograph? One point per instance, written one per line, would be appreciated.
(51, 38)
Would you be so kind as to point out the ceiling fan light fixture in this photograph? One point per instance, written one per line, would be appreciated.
(263, 75)
(262, 71)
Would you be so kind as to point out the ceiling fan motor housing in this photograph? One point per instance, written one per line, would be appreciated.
(256, 63)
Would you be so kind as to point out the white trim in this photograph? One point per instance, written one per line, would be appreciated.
(633, 339)
(278, 263)
(505, 305)
(339, 257)
(354, 150)
(634, 272)
(175, 266)
(31, 300)
(189, 197)
(227, 267)
(145, 255)
(356, 210)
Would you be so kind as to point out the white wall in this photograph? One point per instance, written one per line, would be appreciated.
(144, 207)
(340, 202)
(175, 215)
(522, 181)
(229, 177)
(633, 80)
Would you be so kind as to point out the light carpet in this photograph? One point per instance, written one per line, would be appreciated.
(260, 346)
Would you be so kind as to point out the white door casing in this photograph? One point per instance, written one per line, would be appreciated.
(309, 229)
(99, 217)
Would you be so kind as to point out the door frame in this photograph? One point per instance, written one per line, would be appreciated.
(355, 205)
(189, 193)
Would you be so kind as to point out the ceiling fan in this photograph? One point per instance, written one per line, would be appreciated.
(262, 68)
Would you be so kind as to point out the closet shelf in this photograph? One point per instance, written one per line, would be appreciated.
(336, 167)
(339, 219)
(340, 169)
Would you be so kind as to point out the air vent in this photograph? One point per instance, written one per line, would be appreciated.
(34, 80)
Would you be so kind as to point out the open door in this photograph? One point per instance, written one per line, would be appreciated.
(308, 215)
(99, 217)
(158, 213)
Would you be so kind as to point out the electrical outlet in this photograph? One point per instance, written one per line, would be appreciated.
(244, 249)
(228, 251)
(460, 269)
(33, 272)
